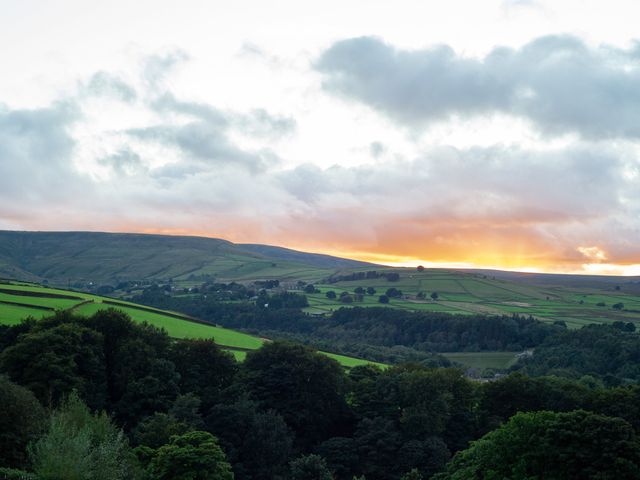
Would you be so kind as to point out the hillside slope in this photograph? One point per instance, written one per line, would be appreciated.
(60, 257)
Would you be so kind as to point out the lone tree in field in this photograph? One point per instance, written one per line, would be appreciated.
(420, 268)
(371, 291)
(434, 296)
(383, 299)
(331, 294)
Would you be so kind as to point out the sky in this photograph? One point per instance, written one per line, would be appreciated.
(500, 134)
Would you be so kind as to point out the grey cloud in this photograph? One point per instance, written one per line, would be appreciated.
(206, 137)
(35, 152)
(263, 124)
(205, 143)
(258, 122)
(167, 103)
(157, 67)
(376, 149)
(106, 84)
(124, 162)
(557, 82)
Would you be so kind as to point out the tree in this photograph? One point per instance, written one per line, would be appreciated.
(618, 306)
(257, 444)
(420, 268)
(341, 456)
(413, 474)
(434, 296)
(545, 444)
(346, 298)
(192, 456)
(393, 293)
(371, 291)
(310, 467)
(331, 294)
(383, 299)
(303, 386)
(22, 419)
(82, 446)
(359, 290)
(310, 288)
(204, 368)
(55, 358)
(156, 430)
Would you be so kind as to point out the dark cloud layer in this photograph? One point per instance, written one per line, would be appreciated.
(559, 83)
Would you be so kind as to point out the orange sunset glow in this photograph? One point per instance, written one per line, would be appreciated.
(381, 138)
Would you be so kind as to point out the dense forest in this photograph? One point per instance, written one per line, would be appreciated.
(105, 398)
(376, 333)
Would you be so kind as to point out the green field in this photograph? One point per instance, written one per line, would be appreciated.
(471, 293)
(85, 304)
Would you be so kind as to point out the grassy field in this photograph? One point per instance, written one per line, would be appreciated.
(85, 304)
(467, 293)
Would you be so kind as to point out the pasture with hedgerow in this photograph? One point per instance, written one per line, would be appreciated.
(304, 241)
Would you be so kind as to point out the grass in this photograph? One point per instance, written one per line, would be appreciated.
(475, 293)
(181, 328)
(237, 343)
(12, 315)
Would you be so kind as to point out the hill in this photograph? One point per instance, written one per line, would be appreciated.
(19, 301)
(89, 260)
(63, 258)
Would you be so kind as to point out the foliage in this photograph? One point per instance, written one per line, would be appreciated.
(608, 352)
(257, 444)
(300, 384)
(541, 445)
(157, 429)
(13, 474)
(79, 445)
(310, 467)
(21, 421)
(193, 456)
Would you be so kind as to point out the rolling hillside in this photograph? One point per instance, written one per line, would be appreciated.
(82, 257)
(85, 260)
(549, 298)
(19, 301)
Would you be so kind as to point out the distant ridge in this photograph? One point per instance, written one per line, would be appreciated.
(61, 257)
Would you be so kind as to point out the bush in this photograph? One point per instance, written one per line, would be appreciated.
(11, 474)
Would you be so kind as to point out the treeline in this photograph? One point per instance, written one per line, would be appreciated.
(369, 275)
(607, 352)
(104, 398)
(362, 329)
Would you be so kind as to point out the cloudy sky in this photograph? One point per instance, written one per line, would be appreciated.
(490, 134)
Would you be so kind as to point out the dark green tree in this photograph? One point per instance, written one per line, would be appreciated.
(310, 467)
(303, 386)
(549, 445)
(51, 362)
(22, 420)
(192, 456)
(204, 368)
(157, 429)
(257, 444)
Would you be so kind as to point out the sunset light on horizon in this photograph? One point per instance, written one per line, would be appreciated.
(400, 133)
